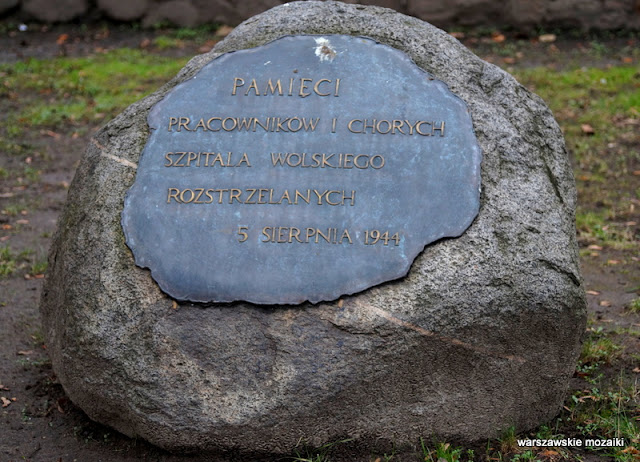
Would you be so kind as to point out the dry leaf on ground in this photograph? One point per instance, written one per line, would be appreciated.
(587, 129)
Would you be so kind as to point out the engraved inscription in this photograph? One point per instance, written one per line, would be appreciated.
(256, 183)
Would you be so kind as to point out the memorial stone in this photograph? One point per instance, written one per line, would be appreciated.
(237, 331)
(288, 177)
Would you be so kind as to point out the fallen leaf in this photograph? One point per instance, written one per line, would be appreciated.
(606, 303)
(25, 352)
(207, 46)
(62, 38)
(587, 129)
(51, 134)
(631, 223)
(627, 59)
(145, 43)
(498, 37)
(547, 38)
(613, 262)
(340, 303)
(594, 247)
(22, 222)
(6, 227)
(635, 369)
(4, 238)
(509, 60)
(174, 305)
(5, 195)
(23, 212)
(5, 401)
(548, 453)
(223, 31)
(593, 292)
(458, 35)
(2, 387)
(38, 276)
(636, 172)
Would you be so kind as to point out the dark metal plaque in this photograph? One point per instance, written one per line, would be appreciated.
(304, 169)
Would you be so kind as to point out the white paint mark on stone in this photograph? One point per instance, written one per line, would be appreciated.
(121, 161)
(324, 49)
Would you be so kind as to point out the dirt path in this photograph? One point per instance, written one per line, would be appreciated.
(37, 421)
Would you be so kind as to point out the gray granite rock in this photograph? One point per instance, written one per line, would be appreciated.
(178, 12)
(120, 10)
(483, 333)
(58, 11)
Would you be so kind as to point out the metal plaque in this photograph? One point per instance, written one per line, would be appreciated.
(303, 169)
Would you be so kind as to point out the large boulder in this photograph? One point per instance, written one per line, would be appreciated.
(120, 10)
(59, 11)
(482, 334)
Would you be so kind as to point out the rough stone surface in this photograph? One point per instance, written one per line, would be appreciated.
(119, 10)
(583, 14)
(483, 333)
(58, 11)
(178, 12)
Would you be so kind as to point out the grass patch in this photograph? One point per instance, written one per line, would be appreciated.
(38, 267)
(321, 454)
(12, 210)
(599, 113)
(599, 351)
(60, 94)
(598, 348)
(164, 42)
(440, 452)
(10, 262)
(634, 306)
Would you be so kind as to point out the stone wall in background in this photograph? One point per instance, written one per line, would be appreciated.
(580, 14)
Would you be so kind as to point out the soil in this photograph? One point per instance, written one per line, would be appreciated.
(38, 422)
